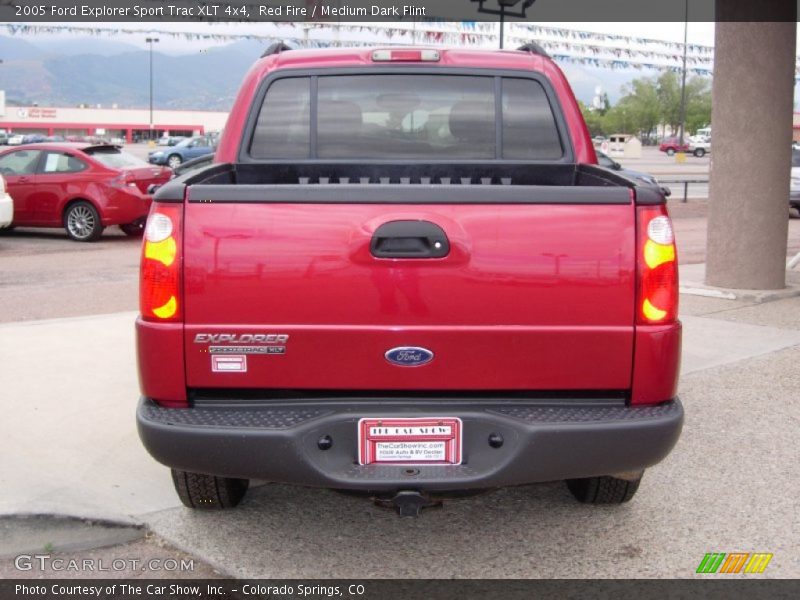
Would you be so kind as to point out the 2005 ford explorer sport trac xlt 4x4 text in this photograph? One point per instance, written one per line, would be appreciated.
(404, 274)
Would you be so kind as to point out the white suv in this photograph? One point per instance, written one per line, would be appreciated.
(6, 205)
(794, 190)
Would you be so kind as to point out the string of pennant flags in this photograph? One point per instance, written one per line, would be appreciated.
(564, 45)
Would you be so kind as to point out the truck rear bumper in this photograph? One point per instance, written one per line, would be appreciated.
(541, 442)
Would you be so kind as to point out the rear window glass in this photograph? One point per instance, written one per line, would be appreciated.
(529, 129)
(406, 117)
(116, 159)
(282, 130)
(796, 158)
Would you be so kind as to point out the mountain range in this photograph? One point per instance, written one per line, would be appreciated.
(95, 70)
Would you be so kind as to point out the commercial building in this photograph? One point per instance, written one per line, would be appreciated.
(126, 123)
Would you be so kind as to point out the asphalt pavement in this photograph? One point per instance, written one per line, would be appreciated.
(70, 447)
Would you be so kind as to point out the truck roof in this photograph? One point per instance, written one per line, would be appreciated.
(362, 56)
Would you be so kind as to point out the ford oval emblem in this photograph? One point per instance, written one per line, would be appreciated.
(409, 356)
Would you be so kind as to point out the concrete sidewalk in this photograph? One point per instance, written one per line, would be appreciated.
(70, 446)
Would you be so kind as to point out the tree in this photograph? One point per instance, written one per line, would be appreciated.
(595, 120)
(698, 103)
(669, 99)
(648, 102)
(640, 103)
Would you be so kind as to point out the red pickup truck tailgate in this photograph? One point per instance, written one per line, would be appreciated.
(530, 297)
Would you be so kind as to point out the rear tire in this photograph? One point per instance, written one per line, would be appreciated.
(699, 153)
(208, 492)
(82, 222)
(603, 490)
(670, 152)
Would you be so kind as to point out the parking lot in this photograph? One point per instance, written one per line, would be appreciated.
(70, 433)
(44, 275)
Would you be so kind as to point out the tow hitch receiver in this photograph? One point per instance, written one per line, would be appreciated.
(408, 502)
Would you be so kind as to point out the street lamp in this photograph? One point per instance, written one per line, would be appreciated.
(504, 6)
(683, 76)
(151, 41)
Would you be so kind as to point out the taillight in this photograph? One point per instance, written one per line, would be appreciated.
(125, 179)
(159, 286)
(657, 298)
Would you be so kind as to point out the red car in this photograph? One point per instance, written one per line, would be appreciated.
(81, 187)
(672, 145)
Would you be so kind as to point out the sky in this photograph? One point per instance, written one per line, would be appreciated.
(698, 32)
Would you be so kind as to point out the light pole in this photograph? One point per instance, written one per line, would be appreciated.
(503, 11)
(151, 41)
(683, 76)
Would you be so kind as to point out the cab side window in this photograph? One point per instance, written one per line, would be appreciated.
(62, 162)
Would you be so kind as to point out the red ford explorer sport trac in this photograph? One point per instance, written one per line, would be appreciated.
(404, 274)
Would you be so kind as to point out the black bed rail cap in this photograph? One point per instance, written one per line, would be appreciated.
(276, 48)
(534, 48)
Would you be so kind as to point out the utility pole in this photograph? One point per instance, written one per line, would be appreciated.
(151, 41)
(683, 78)
(502, 22)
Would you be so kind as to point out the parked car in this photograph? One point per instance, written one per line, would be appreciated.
(6, 205)
(172, 140)
(16, 139)
(794, 190)
(3, 138)
(604, 160)
(33, 138)
(188, 149)
(642, 178)
(700, 147)
(191, 165)
(83, 188)
(426, 287)
(671, 145)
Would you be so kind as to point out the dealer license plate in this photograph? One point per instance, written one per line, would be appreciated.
(418, 441)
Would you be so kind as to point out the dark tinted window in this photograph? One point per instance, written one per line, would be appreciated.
(529, 127)
(796, 158)
(282, 130)
(406, 116)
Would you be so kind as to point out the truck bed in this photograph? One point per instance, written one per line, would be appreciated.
(443, 183)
